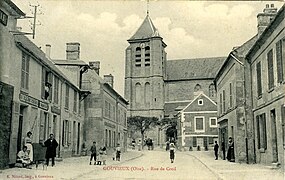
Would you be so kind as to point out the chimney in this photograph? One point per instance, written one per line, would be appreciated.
(95, 65)
(264, 18)
(109, 79)
(48, 48)
(72, 51)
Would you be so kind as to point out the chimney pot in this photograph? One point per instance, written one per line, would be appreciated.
(95, 65)
(48, 49)
(109, 79)
(73, 51)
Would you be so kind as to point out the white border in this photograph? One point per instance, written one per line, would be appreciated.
(213, 126)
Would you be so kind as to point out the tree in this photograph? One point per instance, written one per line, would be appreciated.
(142, 124)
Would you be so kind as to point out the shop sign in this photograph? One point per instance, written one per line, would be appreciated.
(28, 99)
(109, 124)
(55, 110)
(43, 105)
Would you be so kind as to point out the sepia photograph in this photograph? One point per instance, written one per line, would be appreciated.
(142, 89)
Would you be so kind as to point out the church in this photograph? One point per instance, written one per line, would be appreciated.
(157, 86)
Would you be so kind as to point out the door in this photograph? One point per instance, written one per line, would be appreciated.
(20, 129)
(274, 136)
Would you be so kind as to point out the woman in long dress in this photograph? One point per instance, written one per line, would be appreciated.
(28, 143)
(172, 151)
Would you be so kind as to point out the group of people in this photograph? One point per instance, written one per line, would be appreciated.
(230, 153)
(26, 155)
(149, 143)
(100, 156)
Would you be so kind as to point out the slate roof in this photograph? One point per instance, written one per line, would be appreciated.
(29, 46)
(183, 69)
(146, 30)
(169, 107)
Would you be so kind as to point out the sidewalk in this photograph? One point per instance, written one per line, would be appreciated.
(69, 168)
(236, 171)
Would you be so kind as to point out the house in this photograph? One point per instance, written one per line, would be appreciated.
(197, 124)
(233, 86)
(41, 94)
(266, 62)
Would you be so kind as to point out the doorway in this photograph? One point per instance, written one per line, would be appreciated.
(274, 136)
(20, 128)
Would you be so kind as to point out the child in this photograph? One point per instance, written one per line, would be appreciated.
(99, 160)
(23, 157)
(93, 153)
(118, 152)
(172, 151)
(104, 155)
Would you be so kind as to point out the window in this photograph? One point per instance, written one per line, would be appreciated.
(199, 124)
(46, 84)
(213, 122)
(221, 105)
(147, 56)
(231, 96)
(147, 93)
(280, 61)
(138, 93)
(261, 131)
(107, 109)
(3, 18)
(212, 91)
(259, 80)
(200, 102)
(25, 71)
(66, 96)
(66, 133)
(270, 69)
(75, 101)
(56, 89)
(44, 126)
(211, 140)
(138, 57)
(194, 141)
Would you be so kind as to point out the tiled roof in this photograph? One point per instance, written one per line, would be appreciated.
(37, 52)
(169, 107)
(69, 62)
(199, 68)
(146, 30)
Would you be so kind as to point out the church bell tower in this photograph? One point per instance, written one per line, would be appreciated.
(145, 66)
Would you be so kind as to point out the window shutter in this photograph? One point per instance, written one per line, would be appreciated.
(259, 80)
(51, 88)
(258, 131)
(279, 62)
(42, 121)
(264, 131)
(43, 82)
(69, 133)
(270, 69)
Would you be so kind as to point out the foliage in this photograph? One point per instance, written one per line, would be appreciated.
(142, 124)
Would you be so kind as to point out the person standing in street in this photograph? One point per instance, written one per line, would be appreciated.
(118, 152)
(172, 152)
(93, 153)
(51, 145)
(216, 149)
(28, 143)
(231, 154)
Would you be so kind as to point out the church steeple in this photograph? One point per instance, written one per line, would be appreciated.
(146, 30)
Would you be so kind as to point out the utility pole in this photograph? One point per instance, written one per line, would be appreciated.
(35, 12)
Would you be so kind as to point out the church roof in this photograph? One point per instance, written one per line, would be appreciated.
(200, 68)
(172, 108)
(146, 30)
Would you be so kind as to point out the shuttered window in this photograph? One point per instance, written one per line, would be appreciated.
(259, 80)
(280, 61)
(261, 131)
(56, 89)
(270, 69)
(75, 101)
(25, 71)
(66, 96)
(231, 96)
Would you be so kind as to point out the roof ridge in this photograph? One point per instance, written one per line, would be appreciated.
(205, 58)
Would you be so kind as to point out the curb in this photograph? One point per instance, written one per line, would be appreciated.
(80, 175)
(211, 169)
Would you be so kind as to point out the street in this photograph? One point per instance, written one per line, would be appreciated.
(148, 165)
(154, 165)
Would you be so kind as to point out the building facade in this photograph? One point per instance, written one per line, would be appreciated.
(105, 111)
(37, 93)
(266, 59)
(197, 124)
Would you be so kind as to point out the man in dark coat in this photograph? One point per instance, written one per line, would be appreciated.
(216, 149)
(51, 145)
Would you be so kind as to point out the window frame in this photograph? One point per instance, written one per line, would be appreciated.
(210, 124)
(25, 71)
(270, 69)
(195, 122)
(202, 102)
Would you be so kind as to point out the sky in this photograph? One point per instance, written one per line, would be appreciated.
(191, 29)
